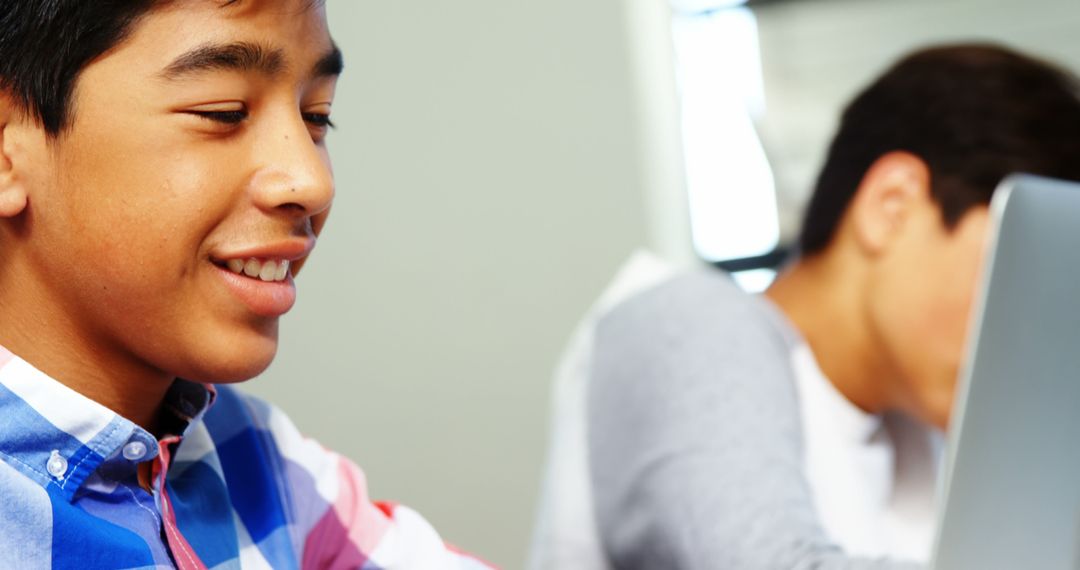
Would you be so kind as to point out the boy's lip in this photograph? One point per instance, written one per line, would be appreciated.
(264, 298)
(291, 250)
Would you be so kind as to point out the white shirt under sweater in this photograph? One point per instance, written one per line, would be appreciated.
(873, 478)
(836, 466)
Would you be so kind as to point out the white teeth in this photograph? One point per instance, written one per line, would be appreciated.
(236, 265)
(269, 270)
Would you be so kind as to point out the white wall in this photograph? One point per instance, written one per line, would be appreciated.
(488, 186)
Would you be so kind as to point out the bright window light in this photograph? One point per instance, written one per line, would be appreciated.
(698, 6)
(732, 195)
(754, 280)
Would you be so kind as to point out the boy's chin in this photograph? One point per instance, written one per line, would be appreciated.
(234, 376)
(232, 368)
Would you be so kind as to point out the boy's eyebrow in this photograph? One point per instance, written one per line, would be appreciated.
(237, 56)
(244, 57)
(329, 65)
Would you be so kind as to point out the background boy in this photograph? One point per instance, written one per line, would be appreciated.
(730, 431)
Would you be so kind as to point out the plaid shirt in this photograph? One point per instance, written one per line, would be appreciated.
(237, 488)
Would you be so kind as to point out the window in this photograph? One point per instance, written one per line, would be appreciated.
(732, 196)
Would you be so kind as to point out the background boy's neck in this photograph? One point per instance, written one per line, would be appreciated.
(823, 300)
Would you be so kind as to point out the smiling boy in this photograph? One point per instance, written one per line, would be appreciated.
(163, 176)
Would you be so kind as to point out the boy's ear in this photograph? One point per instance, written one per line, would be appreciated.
(896, 184)
(13, 196)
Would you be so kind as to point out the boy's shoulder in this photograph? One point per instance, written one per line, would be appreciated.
(279, 478)
(697, 305)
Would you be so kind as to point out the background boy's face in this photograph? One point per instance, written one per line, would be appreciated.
(197, 140)
(921, 305)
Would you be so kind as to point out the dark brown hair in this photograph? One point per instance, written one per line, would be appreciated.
(973, 113)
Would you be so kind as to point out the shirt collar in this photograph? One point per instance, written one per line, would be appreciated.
(855, 424)
(59, 438)
(848, 420)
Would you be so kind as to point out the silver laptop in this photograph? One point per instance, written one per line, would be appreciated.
(1012, 482)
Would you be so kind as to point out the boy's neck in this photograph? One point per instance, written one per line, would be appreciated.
(823, 300)
(36, 331)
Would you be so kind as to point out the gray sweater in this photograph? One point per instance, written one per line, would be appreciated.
(695, 437)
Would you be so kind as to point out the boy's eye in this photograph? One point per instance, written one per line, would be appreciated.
(224, 117)
(232, 117)
(320, 120)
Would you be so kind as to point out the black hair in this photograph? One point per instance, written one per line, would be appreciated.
(973, 113)
(45, 45)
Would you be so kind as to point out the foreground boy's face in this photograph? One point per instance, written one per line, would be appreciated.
(196, 143)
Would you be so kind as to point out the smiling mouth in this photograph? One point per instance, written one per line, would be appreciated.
(269, 270)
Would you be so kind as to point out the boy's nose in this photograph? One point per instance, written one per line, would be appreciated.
(294, 175)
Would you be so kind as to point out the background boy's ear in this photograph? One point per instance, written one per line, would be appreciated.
(13, 196)
(895, 185)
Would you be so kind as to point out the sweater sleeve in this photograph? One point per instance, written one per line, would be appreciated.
(695, 439)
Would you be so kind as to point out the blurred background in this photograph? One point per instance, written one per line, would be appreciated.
(497, 160)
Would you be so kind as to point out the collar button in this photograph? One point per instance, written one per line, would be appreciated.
(134, 450)
(57, 465)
